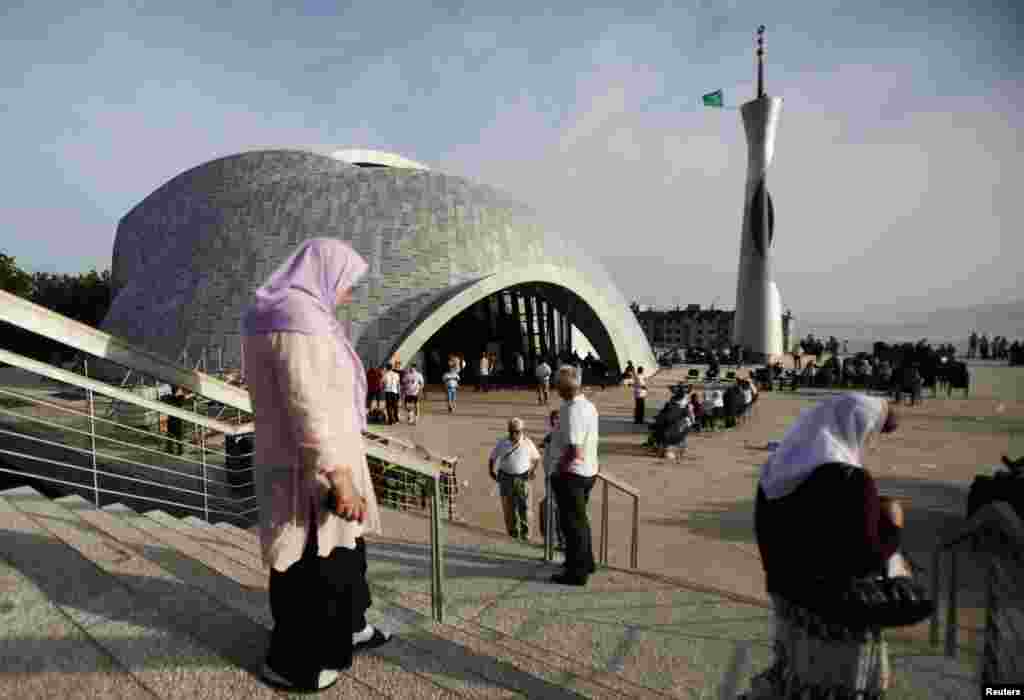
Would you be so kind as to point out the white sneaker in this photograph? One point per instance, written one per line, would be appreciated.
(325, 680)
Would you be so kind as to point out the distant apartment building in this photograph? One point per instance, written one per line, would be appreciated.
(692, 327)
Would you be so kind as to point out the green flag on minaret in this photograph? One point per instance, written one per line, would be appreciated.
(713, 99)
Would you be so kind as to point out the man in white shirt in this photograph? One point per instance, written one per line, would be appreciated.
(543, 374)
(391, 389)
(513, 464)
(639, 396)
(412, 385)
(577, 437)
(485, 372)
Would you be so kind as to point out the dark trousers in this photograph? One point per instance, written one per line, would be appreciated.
(317, 604)
(638, 411)
(175, 432)
(391, 403)
(572, 493)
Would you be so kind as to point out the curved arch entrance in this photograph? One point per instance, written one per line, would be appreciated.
(524, 311)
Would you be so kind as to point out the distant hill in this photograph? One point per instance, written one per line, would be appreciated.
(938, 326)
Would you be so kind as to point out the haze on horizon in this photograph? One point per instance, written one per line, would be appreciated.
(896, 177)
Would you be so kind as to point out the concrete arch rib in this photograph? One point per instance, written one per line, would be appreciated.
(615, 340)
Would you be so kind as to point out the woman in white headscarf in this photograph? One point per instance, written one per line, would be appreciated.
(820, 523)
(308, 390)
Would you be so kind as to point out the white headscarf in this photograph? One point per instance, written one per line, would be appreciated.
(834, 430)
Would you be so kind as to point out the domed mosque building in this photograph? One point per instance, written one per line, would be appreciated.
(454, 266)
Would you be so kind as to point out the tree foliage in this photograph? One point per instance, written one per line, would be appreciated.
(13, 279)
(84, 297)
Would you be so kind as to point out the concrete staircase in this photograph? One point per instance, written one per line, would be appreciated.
(113, 603)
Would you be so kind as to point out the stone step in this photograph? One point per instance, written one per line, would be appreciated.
(130, 608)
(402, 590)
(657, 642)
(438, 641)
(195, 575)
(245, 589)
(42, 651)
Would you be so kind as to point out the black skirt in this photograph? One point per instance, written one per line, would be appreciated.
(317, 604)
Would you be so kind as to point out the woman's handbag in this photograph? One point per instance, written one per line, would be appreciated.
(888, 602)
(876, 601)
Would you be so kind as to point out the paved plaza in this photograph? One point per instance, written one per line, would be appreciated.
(696, 514)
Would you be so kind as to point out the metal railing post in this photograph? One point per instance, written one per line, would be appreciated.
(436, 563)
(604, 524)
(933, 626)
(92, 439)
(989, 664)
(634, 550)
(951, 611)
(206, 485)
(549, 539)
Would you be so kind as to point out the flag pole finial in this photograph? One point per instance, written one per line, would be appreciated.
(760, 61)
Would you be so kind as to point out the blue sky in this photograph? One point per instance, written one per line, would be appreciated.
(897, 173)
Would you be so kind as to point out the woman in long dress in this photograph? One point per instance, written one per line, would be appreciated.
(820, 523)
(308, 390)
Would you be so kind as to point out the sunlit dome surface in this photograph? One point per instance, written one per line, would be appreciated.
(368, 158)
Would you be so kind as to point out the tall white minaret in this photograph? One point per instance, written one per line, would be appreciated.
(757, 324)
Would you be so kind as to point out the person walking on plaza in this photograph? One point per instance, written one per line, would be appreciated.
(485, 371)
(412, 386)
(552, 451)
(451, 385)
(308, 391)
(639, 396)
(374, 388)
(520, 369)
(392, 387)
(821, 526)
(577, 437)
(543, 373)
(174, 443)
(513, 464)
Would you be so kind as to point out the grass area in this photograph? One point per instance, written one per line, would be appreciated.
(1004, 383)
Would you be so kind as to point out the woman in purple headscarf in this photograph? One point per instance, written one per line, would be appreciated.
(308, 390)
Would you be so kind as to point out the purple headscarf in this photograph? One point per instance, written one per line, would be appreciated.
(301, 296)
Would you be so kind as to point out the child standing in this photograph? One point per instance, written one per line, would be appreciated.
(451, 383)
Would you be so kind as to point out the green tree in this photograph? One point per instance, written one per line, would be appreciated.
(83, 297)
(13, 279)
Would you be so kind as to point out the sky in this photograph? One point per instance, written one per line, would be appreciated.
(897, 172)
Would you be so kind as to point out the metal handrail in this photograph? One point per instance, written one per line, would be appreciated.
(65, 377)
(607, 480)
(997, 515)
(96, 453)
(127, 495)
(91, 341)
(94, 436)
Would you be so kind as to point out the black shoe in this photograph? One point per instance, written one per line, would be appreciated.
(325, 679)
(569, 580)
(378, 639)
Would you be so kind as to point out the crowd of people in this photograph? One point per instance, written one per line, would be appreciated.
(999, 348)
(903, 370)
(691, 411)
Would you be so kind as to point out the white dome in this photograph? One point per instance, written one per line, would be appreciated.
(361, 156)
